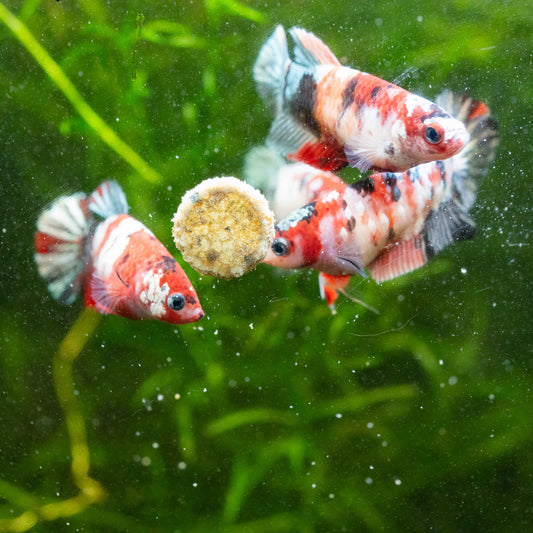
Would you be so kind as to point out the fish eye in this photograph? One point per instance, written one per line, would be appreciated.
(280, 246)
(176, 301)
(434, 134)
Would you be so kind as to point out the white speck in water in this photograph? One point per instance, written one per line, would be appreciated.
(369, 481)
(452, 380)
(441, 362)
(251, 325)
(378, 21)
(397, 481)
(370, 425)
(463, 270)
(177, 396)
(384, 444)
(338, 415)
(420, 18)
(182, 465)
(313, 486)
(155, 445)
(205, 390)
(146, 461)
(331, 496)
(491, 397)
(195, 484)
(160, 397)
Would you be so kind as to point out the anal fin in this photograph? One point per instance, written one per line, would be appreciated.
(399, 258)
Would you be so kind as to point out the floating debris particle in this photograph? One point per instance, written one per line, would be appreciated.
(223, 227)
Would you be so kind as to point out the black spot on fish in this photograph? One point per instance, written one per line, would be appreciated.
(190, 299)
(391, 181)
(305, 213)
(303, 103)
(344, 204)
(391, 236)
(435, 112)
(442, 170)
(363, 187)
(348, 98)
(165, 263)
(389, 149)
(124, 259)
(351, 224)
(374, 92)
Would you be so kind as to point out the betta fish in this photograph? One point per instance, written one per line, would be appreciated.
(330, 116)
(118, 263)
(390, 223)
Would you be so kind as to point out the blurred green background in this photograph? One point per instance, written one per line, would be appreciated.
(271, 414)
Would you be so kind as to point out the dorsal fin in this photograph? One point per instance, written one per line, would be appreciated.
(310, 51)
(108, 200)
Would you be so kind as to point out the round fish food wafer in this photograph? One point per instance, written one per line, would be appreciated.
(223, 227)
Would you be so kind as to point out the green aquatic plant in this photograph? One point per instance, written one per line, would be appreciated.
(56, 74)
(90, 491)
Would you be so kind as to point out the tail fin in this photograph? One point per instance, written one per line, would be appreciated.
(61, 245)
(108, 200)
(270, 70)
(472, 164)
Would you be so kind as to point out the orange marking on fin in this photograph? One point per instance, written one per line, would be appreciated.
(320, 155)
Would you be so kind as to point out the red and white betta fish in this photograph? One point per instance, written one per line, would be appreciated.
(390, 223)
(330, 116)
(122, 268)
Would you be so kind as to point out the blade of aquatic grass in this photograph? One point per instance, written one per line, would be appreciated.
(248, 472)
(247, 417)
(166, 32)
(56, 74)
(217, 7)
(362, 400)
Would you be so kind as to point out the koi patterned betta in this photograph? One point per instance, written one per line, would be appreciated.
(120, 265)
(330, 116)
(390, 223)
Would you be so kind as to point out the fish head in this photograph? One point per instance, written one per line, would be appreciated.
(166, 294)
(296, 241)
(425, 132)
(316, 236)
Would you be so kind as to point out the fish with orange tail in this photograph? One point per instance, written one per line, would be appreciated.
(330, 116)
(118, 263)
(389, 223)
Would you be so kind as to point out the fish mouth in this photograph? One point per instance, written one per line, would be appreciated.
(459, 140)
(197, 314)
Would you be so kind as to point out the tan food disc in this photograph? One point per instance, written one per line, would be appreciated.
(223, 227)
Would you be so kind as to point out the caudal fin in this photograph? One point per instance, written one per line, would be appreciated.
(261, 169)
(472, 164)
(61, 250)
(108, 200)
(270, 70)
